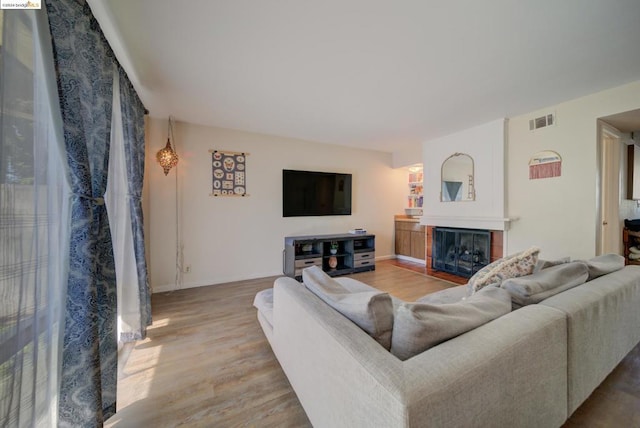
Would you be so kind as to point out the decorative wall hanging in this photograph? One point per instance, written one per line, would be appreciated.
(545, 164)
(229, 173)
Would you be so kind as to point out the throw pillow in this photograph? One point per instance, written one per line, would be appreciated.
(530, 289)
(512, 266)
(420, 326)
(604, 264)
(372, 310)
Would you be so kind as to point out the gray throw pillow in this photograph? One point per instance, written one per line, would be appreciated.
(604, 264)
(544, 264)
(530, 289)
(372, 311)
(420, 326)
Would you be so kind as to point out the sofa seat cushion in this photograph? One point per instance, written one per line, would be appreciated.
(534, 288)
(512, 266)
(420, 326)
(371, 310)
(448, 295)
(263, 302)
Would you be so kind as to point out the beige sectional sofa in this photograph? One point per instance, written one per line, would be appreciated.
(603, 326)
(529, 368)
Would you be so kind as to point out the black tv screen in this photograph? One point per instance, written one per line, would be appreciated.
(310, 193)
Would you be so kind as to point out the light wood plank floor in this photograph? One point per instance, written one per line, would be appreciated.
(206, 363)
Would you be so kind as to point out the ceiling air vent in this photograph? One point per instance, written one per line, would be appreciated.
(542, 122)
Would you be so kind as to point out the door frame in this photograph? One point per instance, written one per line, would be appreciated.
(603, 129)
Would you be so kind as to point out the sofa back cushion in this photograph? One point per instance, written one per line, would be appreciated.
(371, 310)
(534, 288)
(604, 264)
(420, 326)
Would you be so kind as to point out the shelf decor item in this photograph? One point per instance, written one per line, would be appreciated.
(333, 248)
(229, 173)
(416, 188)
(333, 262)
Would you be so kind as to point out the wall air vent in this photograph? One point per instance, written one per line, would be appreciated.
(542, 121)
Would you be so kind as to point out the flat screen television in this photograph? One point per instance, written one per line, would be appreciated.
(311, 193)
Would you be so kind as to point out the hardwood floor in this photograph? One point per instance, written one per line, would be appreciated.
(206, 363)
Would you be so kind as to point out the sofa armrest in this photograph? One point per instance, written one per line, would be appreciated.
(341, 375)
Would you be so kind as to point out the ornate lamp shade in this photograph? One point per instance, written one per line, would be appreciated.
(167, 157)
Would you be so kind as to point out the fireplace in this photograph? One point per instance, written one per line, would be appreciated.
(460, 252)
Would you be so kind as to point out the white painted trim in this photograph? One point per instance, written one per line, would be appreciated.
(490, 223)
(603, 129)
(163, 288)
(411, 259)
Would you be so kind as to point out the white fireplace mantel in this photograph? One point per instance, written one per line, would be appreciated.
(467, 222)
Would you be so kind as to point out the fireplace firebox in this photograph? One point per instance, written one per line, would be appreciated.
(461, 252)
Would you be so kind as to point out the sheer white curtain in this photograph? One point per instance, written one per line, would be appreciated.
(34, 223)
(117, 201)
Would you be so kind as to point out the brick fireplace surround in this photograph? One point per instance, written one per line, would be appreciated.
(496, 253)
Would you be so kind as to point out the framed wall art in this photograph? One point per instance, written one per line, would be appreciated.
(545, 164)
(229, 173)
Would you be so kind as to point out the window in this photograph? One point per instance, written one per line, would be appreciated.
(32, 213)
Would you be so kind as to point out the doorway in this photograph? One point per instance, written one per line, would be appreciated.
(611, 203)
(610, 179)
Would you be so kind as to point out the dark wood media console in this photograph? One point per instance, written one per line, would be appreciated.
(353, 253)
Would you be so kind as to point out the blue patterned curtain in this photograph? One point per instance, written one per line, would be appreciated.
(133, 112)
(85, 65)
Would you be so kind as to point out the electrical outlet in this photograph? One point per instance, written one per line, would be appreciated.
(187, 269)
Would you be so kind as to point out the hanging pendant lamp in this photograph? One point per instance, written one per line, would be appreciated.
(167, 157)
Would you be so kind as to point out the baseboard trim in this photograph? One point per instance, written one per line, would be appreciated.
(411, 259)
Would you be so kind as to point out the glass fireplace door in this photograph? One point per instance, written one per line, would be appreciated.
(461, 252)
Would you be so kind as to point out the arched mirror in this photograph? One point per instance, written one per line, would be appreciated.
(457, 179)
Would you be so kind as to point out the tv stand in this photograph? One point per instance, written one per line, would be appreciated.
(353, 253)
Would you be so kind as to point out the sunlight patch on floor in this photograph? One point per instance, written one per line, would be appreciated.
(159, 323)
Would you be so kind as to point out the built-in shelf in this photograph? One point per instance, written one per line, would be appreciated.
(416, 190)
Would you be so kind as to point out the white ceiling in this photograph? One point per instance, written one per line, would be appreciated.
(377, 74)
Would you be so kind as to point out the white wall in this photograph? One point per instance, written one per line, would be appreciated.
(236, 238)
(407, 156)
(559, 214)
(485, 144)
